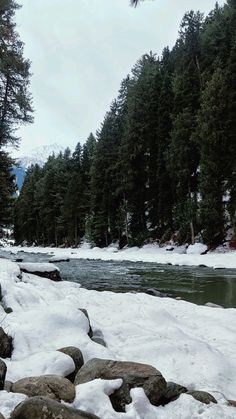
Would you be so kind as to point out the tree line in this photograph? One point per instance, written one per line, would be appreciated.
(163, 163)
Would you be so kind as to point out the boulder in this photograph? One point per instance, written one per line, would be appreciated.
(202, 396)
(1, 416)
(3, 370)
(42, 408)
(44, 270)
(77, 356)
(6, 346)
(172, 393)
(133, 375)
(50, 386)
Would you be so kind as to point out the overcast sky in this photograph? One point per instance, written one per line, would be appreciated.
(80, 51)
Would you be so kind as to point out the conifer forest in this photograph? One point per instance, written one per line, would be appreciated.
(162, 164)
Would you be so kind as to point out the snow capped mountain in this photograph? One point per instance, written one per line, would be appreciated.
(39, 155)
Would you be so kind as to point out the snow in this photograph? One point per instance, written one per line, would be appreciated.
(148, 253)
(196, 249)
(192, 345)
(38, 267)
(8, 402)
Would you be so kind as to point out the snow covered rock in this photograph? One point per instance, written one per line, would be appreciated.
(133, 374)
(40, 407)
(44, 270)
(6, 346)
(8, 402)
(3, 370)
(196, 249)
(60, 258)
(77, 356)
(51, 386)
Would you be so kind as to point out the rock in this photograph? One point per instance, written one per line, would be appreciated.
(6, 346)
(172, 393)
(58, 259)
(19, 260)
(202, 396)
(8, 310)
(44, 270)
(42, 408)
(90, 333)
(154, 292)
(133, 374)
(0, 292)
(1, 416)
(157, 293)
(50, 386)
(77, 356)
(202, 265)
(3, 370)
(98, 338)
(231, 403)
(8, 386)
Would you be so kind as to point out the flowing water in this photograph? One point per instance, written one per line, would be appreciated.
(196, 284)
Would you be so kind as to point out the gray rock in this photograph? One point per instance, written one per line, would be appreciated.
(1, 416)
(133, 375)
(53, 275)
(98, 338)
(90, 333)
(172, 393)
(42, 408)
(50, 386)
(3, 370)
(8, 386)
(77, 356)
(232, 403)
(6, 346)
(202, 396)
(8, 310)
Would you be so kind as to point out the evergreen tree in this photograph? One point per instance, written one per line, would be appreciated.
(15, 101)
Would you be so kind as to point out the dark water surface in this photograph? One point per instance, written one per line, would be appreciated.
(195, 284)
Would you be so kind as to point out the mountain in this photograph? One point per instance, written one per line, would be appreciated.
(38, 155)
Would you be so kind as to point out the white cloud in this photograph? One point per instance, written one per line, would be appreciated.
(80, 51)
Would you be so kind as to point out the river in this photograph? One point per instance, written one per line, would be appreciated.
(195, 284)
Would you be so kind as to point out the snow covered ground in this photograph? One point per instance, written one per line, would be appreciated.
(192, 345)
(149, 253)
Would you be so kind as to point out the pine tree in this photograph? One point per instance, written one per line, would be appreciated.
(15, 100)
(213, 135)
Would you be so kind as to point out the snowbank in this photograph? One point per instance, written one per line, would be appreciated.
(192, 345)
(148, 253)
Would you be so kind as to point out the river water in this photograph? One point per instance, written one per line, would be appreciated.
(196, 284)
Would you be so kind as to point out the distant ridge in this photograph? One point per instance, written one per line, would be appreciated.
(38, 155)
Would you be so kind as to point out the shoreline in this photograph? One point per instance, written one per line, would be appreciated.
(148, 253)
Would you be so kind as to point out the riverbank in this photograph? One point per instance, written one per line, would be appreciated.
(150, 253)
(191, 345)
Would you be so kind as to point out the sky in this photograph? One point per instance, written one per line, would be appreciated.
(80, 51)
